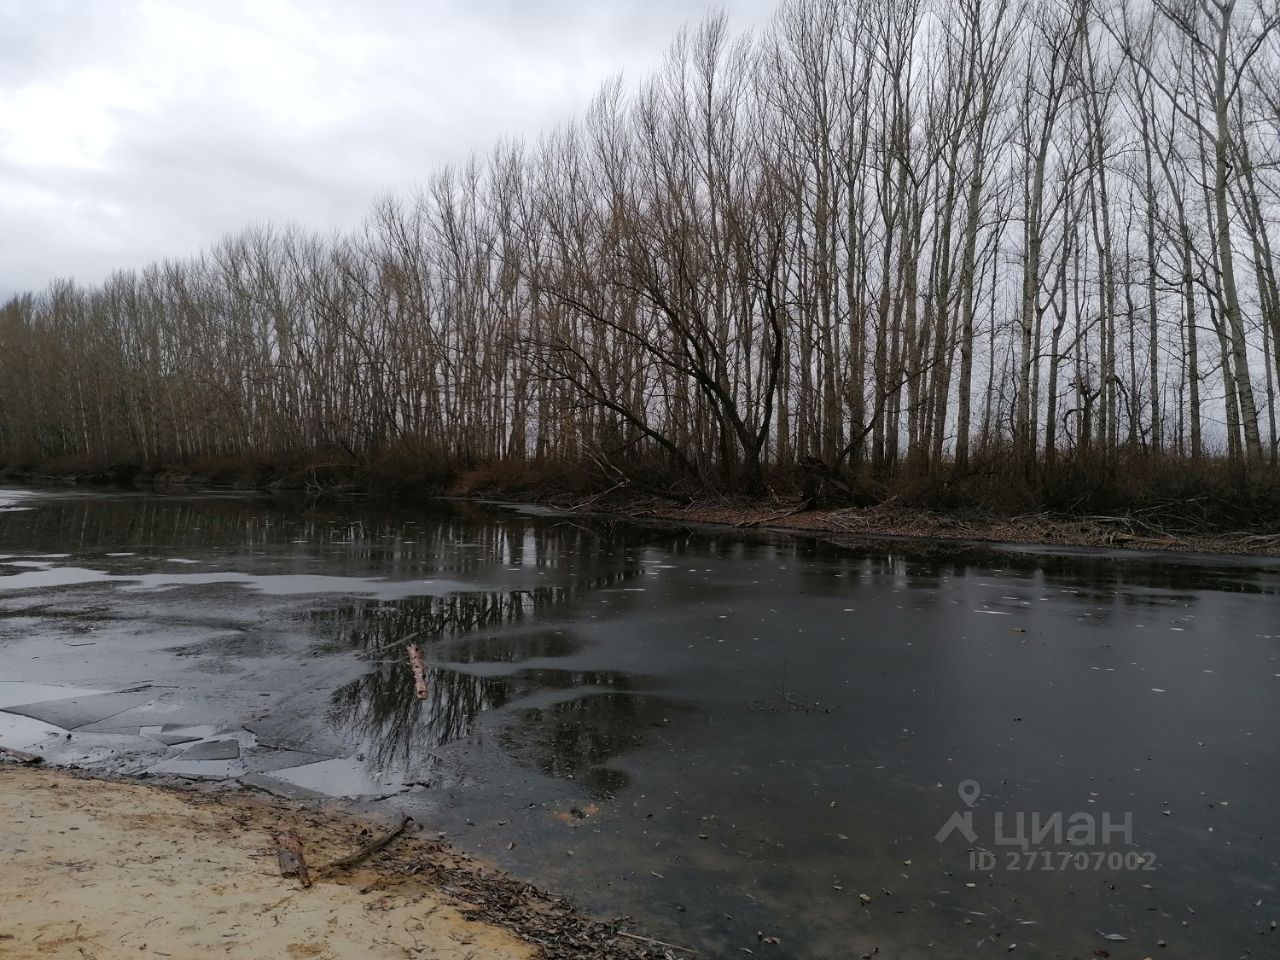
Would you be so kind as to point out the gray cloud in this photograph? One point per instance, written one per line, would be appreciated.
(133, 131)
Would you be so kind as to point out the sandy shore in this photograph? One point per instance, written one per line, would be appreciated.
(98, 870)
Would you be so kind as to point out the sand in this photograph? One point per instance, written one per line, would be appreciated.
(98, 870)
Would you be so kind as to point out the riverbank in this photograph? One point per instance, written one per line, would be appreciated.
(891, 520)
(113, 869)
(1192, 524)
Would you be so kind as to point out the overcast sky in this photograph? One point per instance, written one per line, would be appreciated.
(132, 130)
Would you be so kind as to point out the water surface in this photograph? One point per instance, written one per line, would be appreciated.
(732, 738)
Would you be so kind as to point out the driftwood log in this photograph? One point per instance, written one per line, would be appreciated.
(289, 856)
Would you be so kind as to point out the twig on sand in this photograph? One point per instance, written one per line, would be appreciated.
(369, 849)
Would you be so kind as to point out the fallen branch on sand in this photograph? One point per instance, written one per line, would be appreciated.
(369, 849)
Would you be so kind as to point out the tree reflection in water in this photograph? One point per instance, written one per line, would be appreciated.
(381, 709)
(376, 626)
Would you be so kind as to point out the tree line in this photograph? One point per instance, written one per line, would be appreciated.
(875, 238)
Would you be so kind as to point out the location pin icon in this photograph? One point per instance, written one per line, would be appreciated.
(969, 791)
